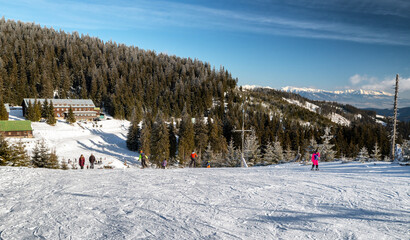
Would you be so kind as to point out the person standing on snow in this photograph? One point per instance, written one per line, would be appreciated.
(164, 163)
(81, 161)
(315, 160)
(193, 159)
(143, 159)
(92, 161)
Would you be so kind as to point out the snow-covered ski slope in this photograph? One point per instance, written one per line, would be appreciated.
(342, 201)
(106, 140)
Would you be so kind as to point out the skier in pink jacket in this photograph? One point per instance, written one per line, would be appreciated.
(315, 160)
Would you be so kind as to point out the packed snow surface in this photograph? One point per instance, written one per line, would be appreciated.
(341, 201)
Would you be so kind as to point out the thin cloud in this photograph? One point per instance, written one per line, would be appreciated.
(372, 83)
(298, 18)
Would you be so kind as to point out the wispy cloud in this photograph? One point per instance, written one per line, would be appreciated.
(372, 83)
(370, 21)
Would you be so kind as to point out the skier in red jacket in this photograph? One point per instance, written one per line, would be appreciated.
(193, 159)
(81, 161)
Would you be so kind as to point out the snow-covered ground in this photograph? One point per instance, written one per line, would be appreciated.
(342, 201)
(106, 141)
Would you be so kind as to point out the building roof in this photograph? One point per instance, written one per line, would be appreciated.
(7, 126)
(7, 107)
(63, 102)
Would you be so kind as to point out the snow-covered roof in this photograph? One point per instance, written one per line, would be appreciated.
(62, 102)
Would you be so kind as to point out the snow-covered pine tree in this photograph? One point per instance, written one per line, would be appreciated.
(19, 155)
(232, 158)
(406, 150)
(159, 140)
(363, 154)
(289, 154)
(376, 155)
(252, 151)
(269, 155)
(325, 149)
(278, 152)
(40, 155)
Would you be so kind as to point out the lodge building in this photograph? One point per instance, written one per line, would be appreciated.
(83, 109)
(16, 129)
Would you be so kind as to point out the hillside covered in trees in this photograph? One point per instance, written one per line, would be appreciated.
(40, 62)
(167, 92)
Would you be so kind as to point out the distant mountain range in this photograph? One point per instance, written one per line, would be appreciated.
(358, 98)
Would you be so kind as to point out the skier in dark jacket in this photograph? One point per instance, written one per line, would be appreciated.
(92, 161)
(81, 161)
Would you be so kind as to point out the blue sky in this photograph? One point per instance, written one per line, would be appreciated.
(330, 44)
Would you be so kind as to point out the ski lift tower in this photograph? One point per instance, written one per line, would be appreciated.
(243, 162)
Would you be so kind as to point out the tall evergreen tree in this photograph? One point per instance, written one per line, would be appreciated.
(36, 111)
(133, 135)
(159, 140)
(145, 138)
(201, 135)
(51, 119)
(172, 140)
(70, 116)
(3, 111)
(45, 109)
(5, 151)
(186, 137)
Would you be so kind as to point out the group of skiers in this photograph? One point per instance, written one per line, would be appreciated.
(91, 159)
(143, 158)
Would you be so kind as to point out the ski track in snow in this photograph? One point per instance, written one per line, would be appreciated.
(342, 201)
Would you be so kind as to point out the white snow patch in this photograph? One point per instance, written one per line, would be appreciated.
(342, 201)
(307, 105)
(339, 119)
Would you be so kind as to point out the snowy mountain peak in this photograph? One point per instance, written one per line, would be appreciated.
(349, 91)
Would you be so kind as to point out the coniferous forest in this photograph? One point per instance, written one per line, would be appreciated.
(141, 85)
